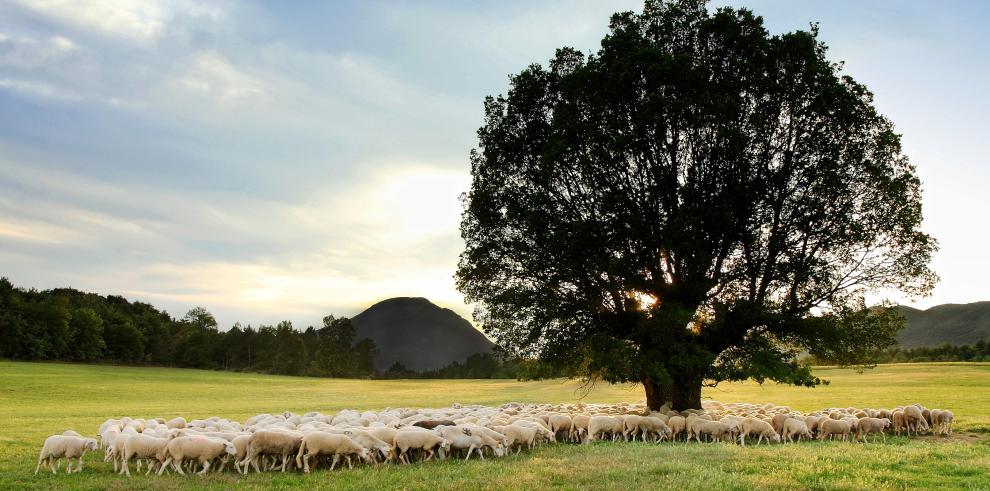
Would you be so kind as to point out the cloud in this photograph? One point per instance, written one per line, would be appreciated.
(210, 75)
(39, 89)
(136, 20)
(28, 53)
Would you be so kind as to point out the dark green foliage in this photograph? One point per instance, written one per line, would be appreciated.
(698, 201)
(481, 366)
(979, 352)
(87, 335)
(66, 324)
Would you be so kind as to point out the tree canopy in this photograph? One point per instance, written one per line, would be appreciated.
(697, 201)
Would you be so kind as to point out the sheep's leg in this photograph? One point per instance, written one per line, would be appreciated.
(164, 466)
(333, 464)
(206, 467)
(79, 467)
(470, 449)
(177, 465)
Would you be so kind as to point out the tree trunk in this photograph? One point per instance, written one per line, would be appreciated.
(683, 393)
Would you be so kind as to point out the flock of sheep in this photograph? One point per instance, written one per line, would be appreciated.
(267, 442)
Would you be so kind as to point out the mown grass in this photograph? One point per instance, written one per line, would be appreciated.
(37, 400)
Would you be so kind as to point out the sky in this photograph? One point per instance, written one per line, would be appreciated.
(287, 160)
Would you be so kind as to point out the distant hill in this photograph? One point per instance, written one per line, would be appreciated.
(949, 323)
(418, 334)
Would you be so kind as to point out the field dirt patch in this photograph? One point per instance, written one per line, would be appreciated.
(956, 437)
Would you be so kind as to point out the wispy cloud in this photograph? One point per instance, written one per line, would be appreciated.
(135, 20)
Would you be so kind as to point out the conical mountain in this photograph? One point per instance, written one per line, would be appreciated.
(419, 334)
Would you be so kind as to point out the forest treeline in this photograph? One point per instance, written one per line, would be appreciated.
(65, 324)
(979, 351)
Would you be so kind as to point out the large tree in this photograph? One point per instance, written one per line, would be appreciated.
(698, 201)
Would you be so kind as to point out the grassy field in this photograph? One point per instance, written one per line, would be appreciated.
(37, 400)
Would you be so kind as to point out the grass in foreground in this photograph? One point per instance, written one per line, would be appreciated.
(37, 400)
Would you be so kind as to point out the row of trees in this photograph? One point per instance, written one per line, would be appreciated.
(69, 325)
(969, 352)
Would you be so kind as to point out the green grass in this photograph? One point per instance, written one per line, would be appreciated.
(37, 400)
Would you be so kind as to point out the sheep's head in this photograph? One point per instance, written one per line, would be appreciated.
(498, 450)
(229, 448)
(365, 455)
(391, 455)
(91, 444)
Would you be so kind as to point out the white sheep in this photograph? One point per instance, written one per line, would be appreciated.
(755, 426)
(795, 427)
(518, 436)
(69, 447)
(868, 426)
(201, 449)
(271, 442)
(561, 425)
(601, 425)
(405, 440)
(375, 445)
(142, 447)
(462, 438)
(654, 426)
(337, 445)
(717, 430)
(831, 427)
